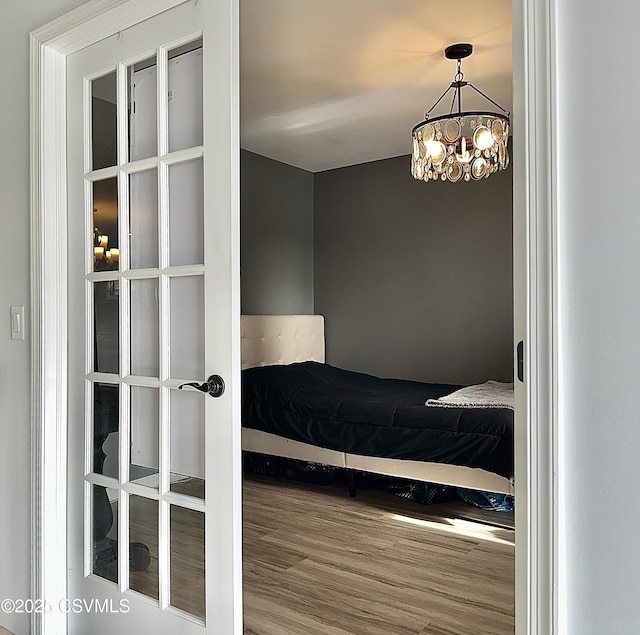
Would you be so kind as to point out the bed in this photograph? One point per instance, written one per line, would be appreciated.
(291, 397)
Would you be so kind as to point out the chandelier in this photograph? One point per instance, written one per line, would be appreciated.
(103, 257)
(460, 145)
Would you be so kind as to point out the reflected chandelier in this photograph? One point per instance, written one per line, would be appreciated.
(460, 145)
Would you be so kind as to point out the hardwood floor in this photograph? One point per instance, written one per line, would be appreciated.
(318, 562)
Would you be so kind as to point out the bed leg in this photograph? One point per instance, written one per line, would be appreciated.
(351, 482)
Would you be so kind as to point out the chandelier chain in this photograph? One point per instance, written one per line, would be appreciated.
(459, 75)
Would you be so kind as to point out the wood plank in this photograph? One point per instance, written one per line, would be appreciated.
(375, 564)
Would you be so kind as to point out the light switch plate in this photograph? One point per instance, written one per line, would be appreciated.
(17, 322)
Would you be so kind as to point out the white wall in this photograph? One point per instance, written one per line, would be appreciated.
(18, 17)
(599, 307)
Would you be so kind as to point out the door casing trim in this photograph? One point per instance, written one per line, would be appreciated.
(535, 314)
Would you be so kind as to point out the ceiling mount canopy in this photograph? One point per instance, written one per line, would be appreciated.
(460, 145)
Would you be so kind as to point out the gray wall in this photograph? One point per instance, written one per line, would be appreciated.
(276, 202)
(415, 279)
(599, 326)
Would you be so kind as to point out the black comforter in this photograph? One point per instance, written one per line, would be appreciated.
(361, 414)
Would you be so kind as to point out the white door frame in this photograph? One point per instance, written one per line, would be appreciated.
(535, 208)
(535, 314)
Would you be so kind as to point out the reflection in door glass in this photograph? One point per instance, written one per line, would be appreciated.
(144, 327)
(145, 442)
(187, 327)
(106, 252)
(143, 219)
(106, 306)
(187, 561)
(187, 443)
(105, 533)
(185, 96)
(186, 213)
(143, 546)
(103, 122)
(106, 429)
(143, 118)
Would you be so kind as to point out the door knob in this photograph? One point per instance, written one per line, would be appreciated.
(214, 386)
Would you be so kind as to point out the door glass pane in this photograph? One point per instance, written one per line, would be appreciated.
(103, 122)
(145, 445)
(143, 546)
(187, 327)
(106, 305)
(105, 532)
(143, 219)
(187, 561)
(187, 442)
(143, 118)
(186, 213)
(106, 252)
(185, 97)
(106, 429)
(144, 328)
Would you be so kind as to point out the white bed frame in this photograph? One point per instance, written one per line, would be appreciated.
(285, 339)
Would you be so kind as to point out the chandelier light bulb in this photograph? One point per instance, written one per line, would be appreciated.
(464, 156)
(482, 138)
(437, 152)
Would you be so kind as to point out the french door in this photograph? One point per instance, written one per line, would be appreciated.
(154, 483)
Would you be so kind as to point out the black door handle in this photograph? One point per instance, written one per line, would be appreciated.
(214, 386)
(520, 358)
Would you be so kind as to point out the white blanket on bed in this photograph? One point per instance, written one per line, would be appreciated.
(491, 394)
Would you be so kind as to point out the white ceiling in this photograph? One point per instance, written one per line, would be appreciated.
(330, 83)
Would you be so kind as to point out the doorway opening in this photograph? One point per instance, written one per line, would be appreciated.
(396, 268)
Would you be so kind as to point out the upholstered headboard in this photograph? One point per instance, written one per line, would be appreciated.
(281, 339)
